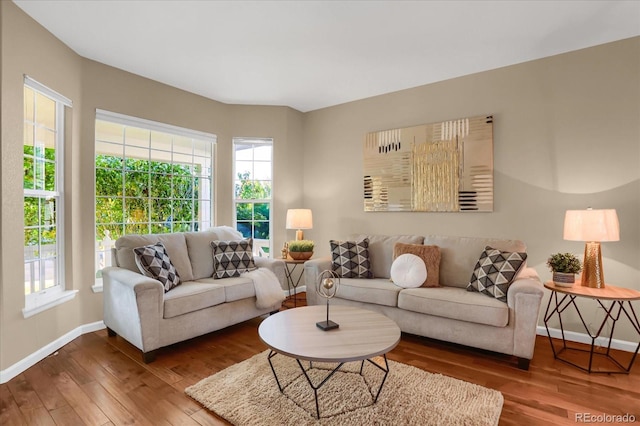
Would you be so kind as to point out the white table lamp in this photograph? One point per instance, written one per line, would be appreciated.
(592, 226)
(299, 219)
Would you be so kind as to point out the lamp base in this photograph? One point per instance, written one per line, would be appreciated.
(327, 325)
(592, 273)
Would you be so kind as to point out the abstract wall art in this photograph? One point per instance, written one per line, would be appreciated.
(437, 167)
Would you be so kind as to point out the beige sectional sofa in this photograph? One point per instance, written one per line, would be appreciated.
(448, 312)
(137, 308)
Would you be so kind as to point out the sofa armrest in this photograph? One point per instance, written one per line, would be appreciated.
(524, 297)
(312, 269)
(133, 306)
(277, 266)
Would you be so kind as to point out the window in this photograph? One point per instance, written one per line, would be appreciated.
(43, 183)
(150, 178)
(252, 159)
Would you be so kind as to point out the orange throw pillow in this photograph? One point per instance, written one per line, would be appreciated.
(429, 254)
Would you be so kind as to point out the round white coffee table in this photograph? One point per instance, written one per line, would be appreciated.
(361, 335)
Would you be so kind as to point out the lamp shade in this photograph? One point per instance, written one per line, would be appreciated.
(591, 225)
(299, 219)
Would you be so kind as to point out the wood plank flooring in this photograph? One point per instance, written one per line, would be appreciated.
(98, 380)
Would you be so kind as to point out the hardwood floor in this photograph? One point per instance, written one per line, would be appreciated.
(101, 380)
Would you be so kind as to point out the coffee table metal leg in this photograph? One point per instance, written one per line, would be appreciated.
(271, 355)
(315, 388)
(386, 373)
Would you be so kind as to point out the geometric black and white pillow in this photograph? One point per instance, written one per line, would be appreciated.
(153, 261)
(231, 258)
(495, 271)
(350, 259)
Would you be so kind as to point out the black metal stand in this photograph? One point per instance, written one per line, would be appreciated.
(327, 325)
(290, 281)
(331, 373)
(610, 313)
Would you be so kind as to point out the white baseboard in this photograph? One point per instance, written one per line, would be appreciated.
(42, 353)
(299, 289)
(573, 336)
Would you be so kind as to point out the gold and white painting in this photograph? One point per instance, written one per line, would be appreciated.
(437, 167)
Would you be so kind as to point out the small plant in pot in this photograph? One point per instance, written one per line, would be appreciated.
(301, 249)
(564, 266)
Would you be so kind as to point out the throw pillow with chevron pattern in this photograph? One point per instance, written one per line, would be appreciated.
(231, 258)
(350, 259)
(154, 262)
(495, 271)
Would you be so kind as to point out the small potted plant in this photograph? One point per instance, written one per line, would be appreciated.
(564, 266)
(301, 249)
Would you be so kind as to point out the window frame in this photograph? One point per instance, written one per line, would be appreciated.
(46, 298)
(255, 141)
(165, 130)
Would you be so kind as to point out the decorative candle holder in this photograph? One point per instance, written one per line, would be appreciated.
(327, 287)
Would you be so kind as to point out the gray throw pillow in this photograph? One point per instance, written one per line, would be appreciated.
(154, 262)
(495, 271)
(350, 259)
(231, 258)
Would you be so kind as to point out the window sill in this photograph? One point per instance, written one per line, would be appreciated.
(97, 285)
(48, 303)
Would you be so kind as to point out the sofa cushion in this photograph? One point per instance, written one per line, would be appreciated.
(350, 259)
(429, 254)
(235, 288)
(200, 253)
(381, 251)
(380, 291)
(153, 261)
(460, 254)
(231, 258)
(192, 296)
(174, 244)
(226, 233)
(408, 271)
(495, 271)
(455, 303)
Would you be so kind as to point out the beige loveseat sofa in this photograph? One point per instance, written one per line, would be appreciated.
(448, 312)
(137, 308)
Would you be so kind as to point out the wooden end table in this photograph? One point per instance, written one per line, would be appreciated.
(620, 299)
(361, 336)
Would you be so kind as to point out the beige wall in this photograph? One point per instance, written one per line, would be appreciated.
(29, 49)
(35, 53)
(566, 136)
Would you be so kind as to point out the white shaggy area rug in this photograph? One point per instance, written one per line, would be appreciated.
(247, 394)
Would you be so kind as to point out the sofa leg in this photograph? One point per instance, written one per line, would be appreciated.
(523, 363)
(148, 357)
(111, 333)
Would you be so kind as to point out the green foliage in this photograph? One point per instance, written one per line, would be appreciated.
(564, 262)
(147, 196)
(249, 189)
(42, 176)
(301, 245)
(252, 218)
(39, 214)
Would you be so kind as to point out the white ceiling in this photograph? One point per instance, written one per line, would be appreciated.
(313, 54)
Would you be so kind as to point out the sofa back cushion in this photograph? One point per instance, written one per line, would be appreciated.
(175, 245)
(459, 255)
(200, 253)
(381, 251)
